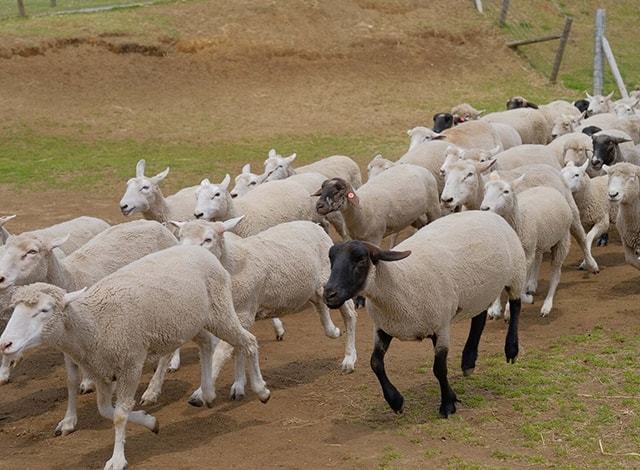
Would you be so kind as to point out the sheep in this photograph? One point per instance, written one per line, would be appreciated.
(143, 195)
(246, 181)
(465, 188)
(626, 110)
(377, 165)
(591, 197)
(610, 147)
(530, 123)
(507, 136)
(465, 112)
(429, 155)
(582, 105)
(277, 167)
(609, 121)
(599, 104)
(590, 130)
(551, 111)
(30, 257)
(145, 309)
(527, 154)
(270, 204)
(419, 135)
(565, 124)
(442, 121)
(278, 271)
(542, 219)
(624, 192)
(453, 154)
(462, 282)
(401, 196)
(473, 134)
(572, 147)
(80, 231)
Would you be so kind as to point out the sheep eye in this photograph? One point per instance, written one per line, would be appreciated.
(506, 191)
(253, 183)
(32, 252)
(208, 240)
(145, 187)
(469, 175)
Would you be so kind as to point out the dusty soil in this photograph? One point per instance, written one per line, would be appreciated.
(317, 416)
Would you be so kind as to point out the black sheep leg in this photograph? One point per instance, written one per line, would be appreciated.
(470, 352)
(391, 394)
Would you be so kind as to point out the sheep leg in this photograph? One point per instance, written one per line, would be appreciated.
(70, 420)
(511, 342)
(577, 231)
(237, 388)
(249, 348)
(532, 281)
(349, 316)
(174, 364)
(5, 370)
(558, 254)
(330, 329)
(530, 263)
(391, 394)
(631, 257)
(221, 354)
(151, 394)
(205, 345)
(87, 385)
(597, 230)
(279, 328)
(448, 398)
(470, 352)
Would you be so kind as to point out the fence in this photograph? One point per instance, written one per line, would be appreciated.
(25, 8)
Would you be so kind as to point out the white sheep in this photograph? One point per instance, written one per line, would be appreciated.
(624, 191)
(599, 104)
(609, 121)
(30, 257)
(530, 124)
(527, 154)
(401, 196)
(465, 112)
(542, 219)
(278, 271)
(591, 196)
(429, 155)
(473, 134)
(509, 137)
(565, 124)
(444, 278)
(551, 111)
(277, 167)
(420, 134)
(465, 188)
(377, 165)
(80, 230)
(246, 181)
(148, 308)
(143, 195)
(573, 147)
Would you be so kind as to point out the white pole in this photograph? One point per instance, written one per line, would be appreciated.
(478, 5)
(608, 53)
(598, 66)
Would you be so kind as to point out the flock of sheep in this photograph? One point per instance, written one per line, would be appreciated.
(487, 195)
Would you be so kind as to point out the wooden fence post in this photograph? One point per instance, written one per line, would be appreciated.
(598, 66)
(608, 53)
(478, 4)
(21, 11)
(560, 52)
(504, 9)
(53, 3)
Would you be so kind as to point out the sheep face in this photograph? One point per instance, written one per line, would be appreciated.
(565, 125)
(605, 149)
(624, 183)
(202, 233)
(350, 268)
(141, 192)
(378, 165)
(465, 112)
(498, 196)
(442, 121)
(516, 102)
(599, 104)
(335, 194)
(245, 182)
(25, 259)
(277, 167)
(574, 176)
(462, 183)
(212, 200)
(623, 110)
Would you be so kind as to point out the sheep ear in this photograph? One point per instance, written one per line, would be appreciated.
(495, 151)
(494, 176)
(73, 296)
(483, 167)
(518, 180)
(377, 157)
(410, 132)
(160, 176)
(246, 168)
(570, 164)
(225, 182)
(6, 218)
(610, 95)
(482, 111)
(56, 242)
(588, 95)
(317, 193)
(532, 105)
(177, 224)
(437, 136)
(606, 168)
(620, 140)
(291, 158)
(376, 254)
(585, 165)
(230, 224)
(140, 168)
(205, 182)
(272, 153)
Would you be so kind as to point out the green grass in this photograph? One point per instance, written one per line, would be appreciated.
(27, 159)
(551, 407)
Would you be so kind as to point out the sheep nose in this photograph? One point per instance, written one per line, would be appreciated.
(234, 195)
(446, 200)
(5, 346)
(484, 208)
(199, 215)
(124, 206)
(2, 279)
(611, 196)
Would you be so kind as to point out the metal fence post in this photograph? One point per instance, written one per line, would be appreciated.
(21, 11)
(504, 9)
(608, 53)
(598, 66)
(560, 52)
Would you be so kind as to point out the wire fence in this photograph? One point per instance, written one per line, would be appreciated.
(31, 8)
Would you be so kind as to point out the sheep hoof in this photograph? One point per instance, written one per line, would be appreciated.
(236, 394)
(348, 365)
(279, 337)
(511, 352)
(156, 427)
(209, 404)
(448, 408)
(397, 404)
(197, 402)
(359, 302)
(86, 387)
(468, 372)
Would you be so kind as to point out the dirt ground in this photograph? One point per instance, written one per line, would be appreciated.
(317, 416)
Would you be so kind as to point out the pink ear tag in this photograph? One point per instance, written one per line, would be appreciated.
(351, 195)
